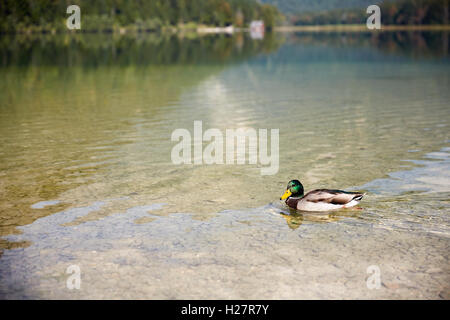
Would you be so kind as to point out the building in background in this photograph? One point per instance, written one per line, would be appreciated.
(257, 29)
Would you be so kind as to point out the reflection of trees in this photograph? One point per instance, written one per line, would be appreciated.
(413, 43)
(432, 44)
(151, 49)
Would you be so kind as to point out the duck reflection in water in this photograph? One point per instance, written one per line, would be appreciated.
(295, 218)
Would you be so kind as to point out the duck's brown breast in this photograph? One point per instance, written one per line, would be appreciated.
(292, 202)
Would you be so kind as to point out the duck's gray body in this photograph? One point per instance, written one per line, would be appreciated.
(325, 200)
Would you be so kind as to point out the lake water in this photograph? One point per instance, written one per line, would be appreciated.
(86, 176)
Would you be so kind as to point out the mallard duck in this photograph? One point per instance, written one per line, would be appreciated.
(320, 199)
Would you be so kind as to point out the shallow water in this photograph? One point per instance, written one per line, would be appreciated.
(86, 176)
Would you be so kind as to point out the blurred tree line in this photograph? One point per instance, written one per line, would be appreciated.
(398, 12)
(296, 6)
(143, 15)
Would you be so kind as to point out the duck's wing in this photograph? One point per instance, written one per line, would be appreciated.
(337, 197)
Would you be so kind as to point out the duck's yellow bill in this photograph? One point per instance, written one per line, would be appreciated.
(286, 195)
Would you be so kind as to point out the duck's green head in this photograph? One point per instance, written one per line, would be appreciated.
(293, 189)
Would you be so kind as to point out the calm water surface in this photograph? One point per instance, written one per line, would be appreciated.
(86, 176)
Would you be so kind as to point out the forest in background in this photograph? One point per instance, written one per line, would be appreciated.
(289, 7)
(144, 15)
(19, 16)
(393, 12)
